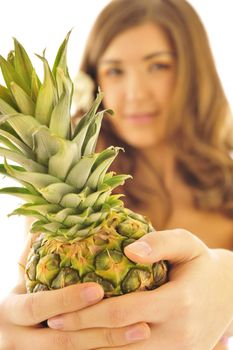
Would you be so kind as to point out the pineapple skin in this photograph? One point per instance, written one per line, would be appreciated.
(57, 263)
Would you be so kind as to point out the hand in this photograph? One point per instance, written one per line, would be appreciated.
(191, 311)
(21, 316)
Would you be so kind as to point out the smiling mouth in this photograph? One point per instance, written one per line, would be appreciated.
(141, 118)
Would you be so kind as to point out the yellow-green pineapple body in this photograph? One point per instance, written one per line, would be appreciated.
(56, 263)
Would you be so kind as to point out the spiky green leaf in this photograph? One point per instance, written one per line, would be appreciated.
(60, 118)
(22, 63)
(45, 145)
(7, 96)
(47, 96)
(11, 58)
(19, 145)
(100, 167)
(24, 194)
(39, 211)
(20, 159)
(23, 100)
(81, 129)
(24, 125)
(54, 193)
(71, 200)
(117, 180)
(61, 162)
(92, 198)
(9, 74)
(28, 186)
(78, 175)
(9, 145)
(35, 85)
(61, 215)
(6, 108)
(38, 180)
(72, 220)
(61, 57)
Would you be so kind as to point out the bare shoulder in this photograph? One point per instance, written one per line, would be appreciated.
(214, 229)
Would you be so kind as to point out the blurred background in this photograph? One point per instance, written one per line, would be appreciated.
(44, 24)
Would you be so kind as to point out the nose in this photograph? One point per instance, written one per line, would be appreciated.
(137, 88)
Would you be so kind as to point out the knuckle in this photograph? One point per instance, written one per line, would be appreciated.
(64, 300)
(190, 239)
(77, 321)
(109, 337)
(181, 232)
(116, 316)
(31, 308)
(63, 340)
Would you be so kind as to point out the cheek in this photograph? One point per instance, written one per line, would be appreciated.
(112, 100)
(165, 90)
(112, 93)
(169, 87)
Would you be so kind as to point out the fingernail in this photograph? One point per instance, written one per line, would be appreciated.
(91, 293)
(136, 333)
(141, 248)
(56, 323)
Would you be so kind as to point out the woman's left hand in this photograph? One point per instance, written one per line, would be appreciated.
(191, 311)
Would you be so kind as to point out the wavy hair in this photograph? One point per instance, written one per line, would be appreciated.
(200, 128)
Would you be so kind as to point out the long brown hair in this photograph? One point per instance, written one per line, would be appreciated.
(200, 122)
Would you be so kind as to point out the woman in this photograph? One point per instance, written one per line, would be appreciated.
(152, 61)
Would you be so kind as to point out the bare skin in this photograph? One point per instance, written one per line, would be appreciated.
(181, 314)
(206, 225)
(138, 81)
(115, 323)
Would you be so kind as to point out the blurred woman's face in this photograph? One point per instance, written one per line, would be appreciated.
(137, 75)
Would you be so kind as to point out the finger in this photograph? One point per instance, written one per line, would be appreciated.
(27, 246)
(31, 309)
(119, 311)
(145, 345)
(48, 339)
(176, 246)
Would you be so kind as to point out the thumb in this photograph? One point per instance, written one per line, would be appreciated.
(176, 246)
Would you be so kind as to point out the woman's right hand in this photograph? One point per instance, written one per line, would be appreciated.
(21, 317)
(21, 314)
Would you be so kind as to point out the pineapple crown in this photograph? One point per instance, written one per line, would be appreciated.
(64, 182)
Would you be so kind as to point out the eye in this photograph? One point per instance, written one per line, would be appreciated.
(159, 66)
(113, 71)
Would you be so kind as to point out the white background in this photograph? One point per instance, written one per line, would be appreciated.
(44, 24)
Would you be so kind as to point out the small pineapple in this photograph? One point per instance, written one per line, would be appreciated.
(82, 227)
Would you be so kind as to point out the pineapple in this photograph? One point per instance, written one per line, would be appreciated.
(82, 228)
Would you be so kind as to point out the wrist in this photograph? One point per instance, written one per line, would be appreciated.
(226, 261)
